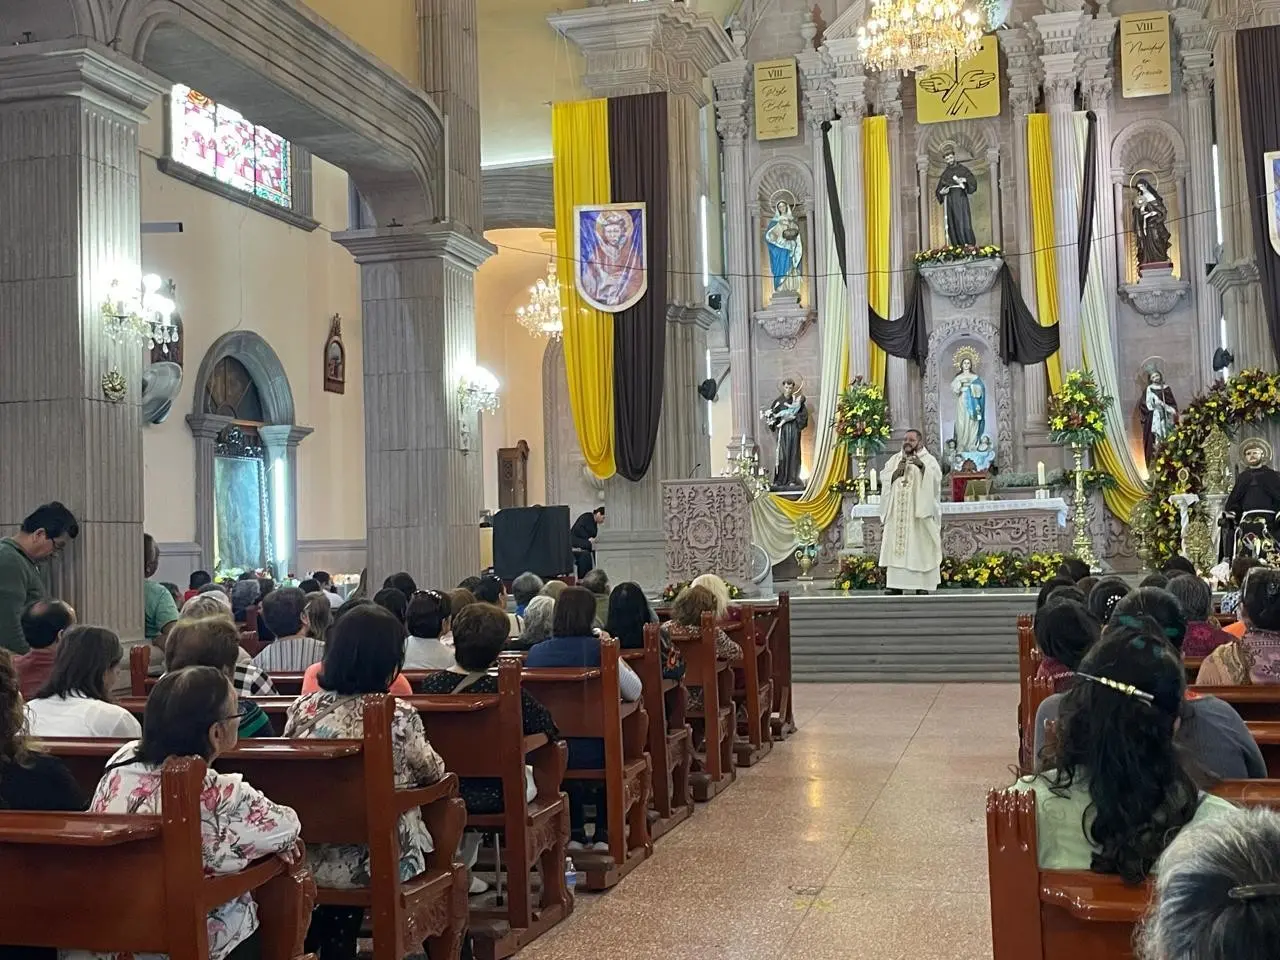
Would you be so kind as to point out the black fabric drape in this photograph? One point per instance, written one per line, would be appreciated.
(1022, 339)
(638, 171)
(905, 337)
(1257, 66)
(833, 201)
(1088, 196)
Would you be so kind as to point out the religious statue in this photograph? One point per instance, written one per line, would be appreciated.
(971, 401)
(788, 417)
(1157, 409)
(955, 186)
(786, 249)
(1249, 517)
(1149, 225)
(911, 512)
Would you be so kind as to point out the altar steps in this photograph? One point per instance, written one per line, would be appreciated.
(953, 635)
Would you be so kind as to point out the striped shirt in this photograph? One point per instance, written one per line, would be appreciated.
(289, 656)
(252, 682)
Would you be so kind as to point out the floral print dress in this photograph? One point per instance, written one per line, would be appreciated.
(325, 715)
(238, 825)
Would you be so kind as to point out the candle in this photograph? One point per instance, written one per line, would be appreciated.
(1040, 472)
(875, 480)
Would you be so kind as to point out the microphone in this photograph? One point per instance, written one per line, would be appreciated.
(696, 466)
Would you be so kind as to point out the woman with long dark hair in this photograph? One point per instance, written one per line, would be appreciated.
(29, 779)
(1116, 792)
(76, 700)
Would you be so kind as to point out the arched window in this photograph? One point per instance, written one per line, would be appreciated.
(231, 392)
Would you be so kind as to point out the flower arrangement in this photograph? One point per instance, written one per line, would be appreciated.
(862, 418)
(1094, 479)
(957, 253)
(673, 590)
(1248, 397)
(982, 570)
(847, 485)
(1077, 411)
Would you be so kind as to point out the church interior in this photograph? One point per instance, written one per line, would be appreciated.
(795, 308)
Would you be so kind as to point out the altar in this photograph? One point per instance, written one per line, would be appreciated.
(1023, 527)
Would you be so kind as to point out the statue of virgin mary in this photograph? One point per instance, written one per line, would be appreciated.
(971, 401)
(786, 249)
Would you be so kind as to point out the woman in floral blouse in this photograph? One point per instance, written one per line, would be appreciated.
(363, 654)
(193, 712)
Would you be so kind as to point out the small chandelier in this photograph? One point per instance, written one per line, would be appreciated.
(914, 35)
(541, 316)
(478, 391)
(140, 311)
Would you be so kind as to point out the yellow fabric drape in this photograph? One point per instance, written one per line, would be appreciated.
(580, 170)
(1040, 177)
(877, 190)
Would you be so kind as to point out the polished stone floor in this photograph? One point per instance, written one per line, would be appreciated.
(863, 836)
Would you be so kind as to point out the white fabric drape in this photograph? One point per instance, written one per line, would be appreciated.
(770, 527)
(1095, 329)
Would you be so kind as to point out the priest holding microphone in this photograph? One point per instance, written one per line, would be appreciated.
(911, 516)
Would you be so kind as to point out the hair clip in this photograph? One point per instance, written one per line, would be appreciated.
(1128, 689)
(1254, 891)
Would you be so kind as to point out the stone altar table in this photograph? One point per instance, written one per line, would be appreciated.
(986, 526)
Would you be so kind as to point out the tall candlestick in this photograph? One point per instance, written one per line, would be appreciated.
(1040, 472)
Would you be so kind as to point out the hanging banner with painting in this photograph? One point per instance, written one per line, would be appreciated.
(1146, 69)
(1271, 164)
(963, 89)
(612, 273)
(777, 99)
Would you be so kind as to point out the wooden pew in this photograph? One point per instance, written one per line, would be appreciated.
(754, 694)
(482, 735)
(778, 636)
(1252, 702)
(344, 792)
(1266, 733)
(115, 882)
(670, 739)
(586, 703)
(1035, 690)
(713, 768)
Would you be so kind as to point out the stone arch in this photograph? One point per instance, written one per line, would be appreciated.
(1151, 143)
(782, 174)
(263, 365)
(518, 196)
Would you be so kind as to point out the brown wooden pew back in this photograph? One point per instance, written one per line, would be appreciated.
(713, 766)
(670, 739)
(754, 694)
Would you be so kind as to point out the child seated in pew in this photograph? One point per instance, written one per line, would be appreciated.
(1217, 892)
(213, 642)
(1255, 657)
(195, 712)
(427, 618)
(311, 676)
(29, 779)
(1116, 793)
(76, 700)
(1065, 631)
(574, 643)
(1210, 731)
(364, 655)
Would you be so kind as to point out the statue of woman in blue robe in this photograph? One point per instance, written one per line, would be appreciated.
(786, 249)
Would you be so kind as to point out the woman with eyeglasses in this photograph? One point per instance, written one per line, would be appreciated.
(194, 712)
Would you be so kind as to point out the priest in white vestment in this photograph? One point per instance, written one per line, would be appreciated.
(911, 513)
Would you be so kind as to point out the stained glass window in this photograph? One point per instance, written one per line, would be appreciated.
(215, 140)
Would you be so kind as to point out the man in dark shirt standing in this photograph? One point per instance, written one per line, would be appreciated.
(583, 537)
(44, 533)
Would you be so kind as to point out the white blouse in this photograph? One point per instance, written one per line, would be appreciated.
(80, 716)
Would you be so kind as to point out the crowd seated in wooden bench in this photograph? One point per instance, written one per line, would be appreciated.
(248, 680)
(670, 739)
(1255, 657)
(151, 892)
(688, 611)
(481, 737)
(76, 700)
(213, 642)
(293, 650)
(427, 618)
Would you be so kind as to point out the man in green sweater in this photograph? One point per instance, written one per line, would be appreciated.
(44, 533)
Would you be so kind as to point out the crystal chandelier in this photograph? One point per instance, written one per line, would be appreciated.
(541, 316)
(478, 391)
(140, 311)
(912, 35)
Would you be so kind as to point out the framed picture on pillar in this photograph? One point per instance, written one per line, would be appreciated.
(335, 358)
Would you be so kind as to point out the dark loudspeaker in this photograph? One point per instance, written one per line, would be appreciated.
(533, 539)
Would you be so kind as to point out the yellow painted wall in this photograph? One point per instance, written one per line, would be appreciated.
(237, 268)
(386, 28)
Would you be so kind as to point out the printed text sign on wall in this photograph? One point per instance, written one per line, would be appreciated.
(1146, 69)
(777, 99)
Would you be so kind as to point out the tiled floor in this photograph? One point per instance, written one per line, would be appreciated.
(863, 836)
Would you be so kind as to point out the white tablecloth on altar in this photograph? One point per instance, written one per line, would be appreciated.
(1052, 504)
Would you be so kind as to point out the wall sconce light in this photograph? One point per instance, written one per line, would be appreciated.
(140, 310)
(478, 391)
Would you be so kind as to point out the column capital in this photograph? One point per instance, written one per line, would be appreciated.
(1059, 33)
(1098, 63)
(1023, 68)
(815, 84)
(207, 426)
(283, 437)
(888, 95)
(78, 67)
(1238, 273)
(731, 82)
(442, 241)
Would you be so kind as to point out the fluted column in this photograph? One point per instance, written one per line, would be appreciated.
(450, 73)
(851, 104)
(1059, 36)
(732, 117)
(1099, 85)
(902, 389)
(69, 225)
(423, 470)
(1195, 52)
(282, 442)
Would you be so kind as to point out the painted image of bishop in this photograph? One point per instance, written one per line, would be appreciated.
(611, 270)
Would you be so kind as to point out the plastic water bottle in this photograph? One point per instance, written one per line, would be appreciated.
(570, 875)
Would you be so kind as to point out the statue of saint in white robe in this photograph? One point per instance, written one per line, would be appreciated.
(911, 513)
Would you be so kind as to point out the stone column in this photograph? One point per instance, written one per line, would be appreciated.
(902, 387)
(69, 192)
(205, 428)
(281, 441)
(423, 472)
(732, 118)
(850, 85)
(819, 109)
(450, 74)
(1059, 34)
(1098, 86)
(1195, 54)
